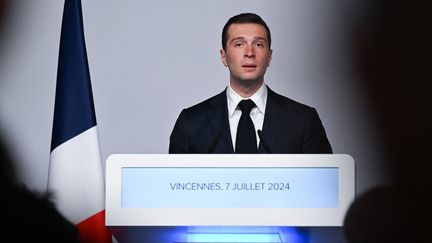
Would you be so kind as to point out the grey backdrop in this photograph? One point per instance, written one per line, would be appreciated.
(150, 59)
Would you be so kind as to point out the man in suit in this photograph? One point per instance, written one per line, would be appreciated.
(278, 124)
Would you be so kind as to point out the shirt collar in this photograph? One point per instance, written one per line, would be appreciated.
(259, 98)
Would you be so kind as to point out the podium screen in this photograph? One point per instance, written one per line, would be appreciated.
(230, 187)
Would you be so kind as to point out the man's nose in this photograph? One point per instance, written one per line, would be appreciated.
(250, 51)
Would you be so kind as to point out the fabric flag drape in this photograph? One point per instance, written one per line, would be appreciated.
(75, 174)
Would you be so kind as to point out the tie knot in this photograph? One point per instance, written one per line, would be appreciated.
(246, 106)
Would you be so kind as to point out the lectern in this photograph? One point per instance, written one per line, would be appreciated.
(271, 198)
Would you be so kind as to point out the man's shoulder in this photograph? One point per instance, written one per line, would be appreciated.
(215, 100)
(287, 103)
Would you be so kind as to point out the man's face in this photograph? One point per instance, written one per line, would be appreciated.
(247, 53)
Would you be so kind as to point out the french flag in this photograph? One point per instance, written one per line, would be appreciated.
(75, 173)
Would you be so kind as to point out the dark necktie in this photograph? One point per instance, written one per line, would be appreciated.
(246, 139)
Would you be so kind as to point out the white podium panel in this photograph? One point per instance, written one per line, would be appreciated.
(228, 190)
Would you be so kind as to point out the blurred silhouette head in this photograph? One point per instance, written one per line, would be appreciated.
(382, 215)
(392, 51)
(29, 217)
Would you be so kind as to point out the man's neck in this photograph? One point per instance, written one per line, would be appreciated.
(246, 91)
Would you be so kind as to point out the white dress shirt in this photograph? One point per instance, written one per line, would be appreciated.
(257, 113)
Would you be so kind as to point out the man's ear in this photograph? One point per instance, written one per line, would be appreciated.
(270, 57)
(223, 57)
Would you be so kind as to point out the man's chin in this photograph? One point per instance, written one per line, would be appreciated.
(248, 82)
(252, 80)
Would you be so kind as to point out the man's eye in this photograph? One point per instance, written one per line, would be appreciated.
(238, 44)
(259, 44)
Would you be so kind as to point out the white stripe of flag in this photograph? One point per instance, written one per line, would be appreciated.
(75, 176)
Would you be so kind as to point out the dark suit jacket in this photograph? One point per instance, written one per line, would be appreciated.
(289, 127)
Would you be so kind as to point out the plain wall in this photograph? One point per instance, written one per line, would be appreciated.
(150, 59)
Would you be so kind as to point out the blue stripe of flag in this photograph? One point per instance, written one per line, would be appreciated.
(74, 108)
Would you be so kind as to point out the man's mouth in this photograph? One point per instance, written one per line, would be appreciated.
(249, 66)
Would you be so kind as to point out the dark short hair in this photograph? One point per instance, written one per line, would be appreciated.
(244, 18)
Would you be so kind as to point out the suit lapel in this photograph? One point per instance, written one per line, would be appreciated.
(274, 121)
(217, 115)
(275, 118)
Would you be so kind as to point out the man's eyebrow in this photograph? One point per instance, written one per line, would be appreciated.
(238, 38)
(261, 39)
(255, 39)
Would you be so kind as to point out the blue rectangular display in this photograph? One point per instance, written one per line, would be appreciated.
(230, 187)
